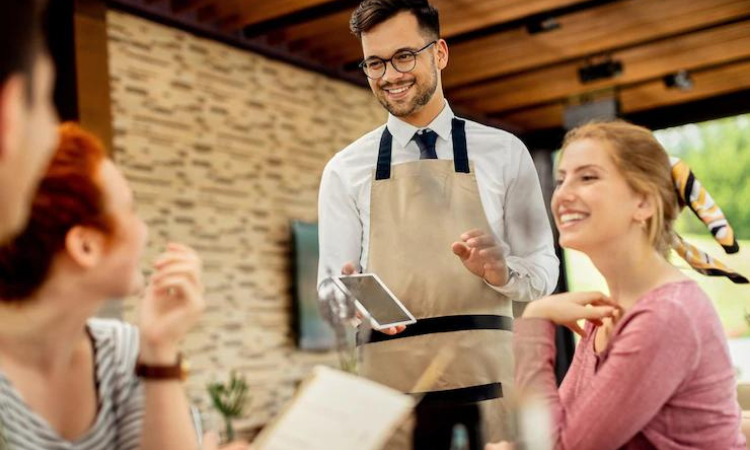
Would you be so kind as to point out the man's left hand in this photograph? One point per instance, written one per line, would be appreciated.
(482, 255)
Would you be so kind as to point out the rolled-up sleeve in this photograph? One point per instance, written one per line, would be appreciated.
(528, 234)
(339, 224)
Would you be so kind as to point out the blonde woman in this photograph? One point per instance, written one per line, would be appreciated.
(652, 370)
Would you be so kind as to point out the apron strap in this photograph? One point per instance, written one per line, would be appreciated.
(460, 152)
(383, 169)
(451, 397)
(446, 324)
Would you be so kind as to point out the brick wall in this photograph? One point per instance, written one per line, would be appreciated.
(223, 148)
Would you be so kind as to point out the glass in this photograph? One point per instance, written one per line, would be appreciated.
(403, 61)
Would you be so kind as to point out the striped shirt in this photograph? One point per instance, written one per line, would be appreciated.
(120, 408)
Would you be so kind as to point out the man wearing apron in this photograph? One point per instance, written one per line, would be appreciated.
(450, 215)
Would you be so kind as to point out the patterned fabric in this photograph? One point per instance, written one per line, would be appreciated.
(119, 419)
(692, 194)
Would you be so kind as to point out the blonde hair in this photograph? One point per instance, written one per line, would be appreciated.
(645, 166)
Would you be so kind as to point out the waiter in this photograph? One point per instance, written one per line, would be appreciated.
(449, 213)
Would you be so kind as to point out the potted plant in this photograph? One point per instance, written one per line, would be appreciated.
(229, 400)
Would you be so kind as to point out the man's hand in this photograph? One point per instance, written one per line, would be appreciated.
(568, 308)
(172, 304)
(350, 269)
(482, 255)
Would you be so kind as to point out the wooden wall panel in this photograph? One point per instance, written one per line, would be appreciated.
(92, 77)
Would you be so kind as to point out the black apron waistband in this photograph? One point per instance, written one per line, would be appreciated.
(445, 324)
(470, 394)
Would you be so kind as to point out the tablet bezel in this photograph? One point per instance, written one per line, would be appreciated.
(365, 313)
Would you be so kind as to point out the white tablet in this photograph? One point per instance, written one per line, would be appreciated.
(373, 298)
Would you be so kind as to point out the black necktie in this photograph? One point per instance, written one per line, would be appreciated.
(426, 141)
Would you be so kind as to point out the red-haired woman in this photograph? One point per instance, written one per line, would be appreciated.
(68, 380)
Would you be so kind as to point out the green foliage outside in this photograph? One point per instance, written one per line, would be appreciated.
(719, 154)
(229, 399)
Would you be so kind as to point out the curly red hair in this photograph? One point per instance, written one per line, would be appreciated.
(69, 195)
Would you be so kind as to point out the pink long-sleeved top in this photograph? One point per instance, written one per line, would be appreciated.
(664, 381)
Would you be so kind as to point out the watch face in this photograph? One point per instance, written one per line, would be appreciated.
(184, 369)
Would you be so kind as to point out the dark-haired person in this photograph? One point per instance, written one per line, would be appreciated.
(71, 381)
(411, 201)
(27, 118)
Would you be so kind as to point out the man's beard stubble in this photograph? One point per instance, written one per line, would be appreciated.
(422, 97)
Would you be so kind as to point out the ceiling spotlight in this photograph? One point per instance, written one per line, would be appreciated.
(680, 80)
(608, 68)
(542, 24)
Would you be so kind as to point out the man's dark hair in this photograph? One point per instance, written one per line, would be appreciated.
(373, 12)
(20, 38)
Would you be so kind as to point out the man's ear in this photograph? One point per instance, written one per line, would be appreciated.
(12, 98)
(442, 53)
(85, 246)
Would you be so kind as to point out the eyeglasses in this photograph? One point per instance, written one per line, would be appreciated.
(403, 61)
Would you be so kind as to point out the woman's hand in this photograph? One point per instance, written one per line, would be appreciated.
(172, 304)
(482, 255)
(568, 308)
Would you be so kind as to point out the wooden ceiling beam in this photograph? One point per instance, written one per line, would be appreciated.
(605, 29)
(696, 111)
(459, 19)
(260, 17)
(309, 13)
(708, 83)
(185, 6)
(692, 51)
(727, 105)
(207, 29)
(463, 32)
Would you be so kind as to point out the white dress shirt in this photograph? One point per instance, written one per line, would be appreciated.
(508, 187)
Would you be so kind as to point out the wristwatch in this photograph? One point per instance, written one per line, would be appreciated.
(176, 371)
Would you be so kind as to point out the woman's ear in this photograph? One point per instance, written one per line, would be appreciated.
(85, 245)
(646, 207)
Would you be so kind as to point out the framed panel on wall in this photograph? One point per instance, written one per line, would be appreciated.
(313, 333)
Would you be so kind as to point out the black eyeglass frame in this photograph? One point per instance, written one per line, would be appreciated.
(385, 62)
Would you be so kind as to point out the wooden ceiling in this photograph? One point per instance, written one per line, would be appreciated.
(499, 71)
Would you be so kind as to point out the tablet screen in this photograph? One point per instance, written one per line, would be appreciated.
(373, 296)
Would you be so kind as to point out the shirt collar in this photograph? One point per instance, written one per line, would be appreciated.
(403, 131)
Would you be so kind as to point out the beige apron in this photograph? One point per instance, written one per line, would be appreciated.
(417, 210)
